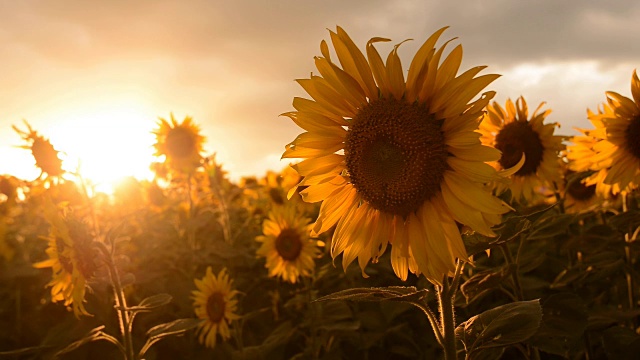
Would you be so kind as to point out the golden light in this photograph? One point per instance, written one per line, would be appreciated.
(104, 141)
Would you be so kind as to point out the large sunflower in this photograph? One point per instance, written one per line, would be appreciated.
(617, 149)
(180, 143)
(286, 244)
(44, 153)
(396, 160)
(511, 131)
(215, 302)
(72, 258)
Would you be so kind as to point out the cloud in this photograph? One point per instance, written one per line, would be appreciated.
(232, 65)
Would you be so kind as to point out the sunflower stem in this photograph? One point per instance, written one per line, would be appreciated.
(629, 261)
(226, 226)
(447, 319)
(513, 269)
(121, 305)
(191, 234)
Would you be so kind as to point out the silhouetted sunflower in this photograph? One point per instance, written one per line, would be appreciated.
(180, 143)
(395, 160)
(44, 153)
(72, 257)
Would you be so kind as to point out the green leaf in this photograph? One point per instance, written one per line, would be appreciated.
(151, 302)
(481, 283)
(621, 343)
(174, 327)
(551, 226)
(161, 331)
(93, 335)
(501, 326)
(391, 293)
(564, 320)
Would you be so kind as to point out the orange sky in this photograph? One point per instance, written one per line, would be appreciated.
(94, 77)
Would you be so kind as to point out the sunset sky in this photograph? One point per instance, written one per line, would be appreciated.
(95, 76)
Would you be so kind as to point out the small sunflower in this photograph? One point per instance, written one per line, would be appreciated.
(44, 153)
(396, 160)
(286, 244)
(72, 258)
(617, 130)
(578, 195)
(215, 302)
(180, 143)
(511, 131)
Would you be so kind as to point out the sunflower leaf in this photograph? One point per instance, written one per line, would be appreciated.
(391, 293)
(501, 326)
(151, 302)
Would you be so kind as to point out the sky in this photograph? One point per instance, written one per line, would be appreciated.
(94, 77)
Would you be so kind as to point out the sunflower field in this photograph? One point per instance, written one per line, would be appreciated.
(478, 231)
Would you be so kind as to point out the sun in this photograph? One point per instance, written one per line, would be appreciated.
(104, 142)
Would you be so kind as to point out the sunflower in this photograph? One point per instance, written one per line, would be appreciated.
(395, 160)
(578, 195)
(72, 258)
(44, 153)
(286, 244)
(616, 148)
(180, 143)
(512, 132)
(215, 303)
(581, 155)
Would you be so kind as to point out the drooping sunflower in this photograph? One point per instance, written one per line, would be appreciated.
(215, 302)
(578, 195)
(396, 160)
(617, 149)
(511, 131)
(286, 244)
(72, 257)
(44, 153)
(180, 144)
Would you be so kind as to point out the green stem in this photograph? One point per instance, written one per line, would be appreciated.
(513, 269)
(121, 305)
(629, 260)
(433, 320)
(447, 319)
(223, 207)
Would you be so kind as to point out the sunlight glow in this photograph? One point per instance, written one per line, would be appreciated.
(105, 141)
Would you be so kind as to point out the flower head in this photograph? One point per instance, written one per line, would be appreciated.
(395, 160)
(72, 257)
(286, 244)
(215, 302)
(515, 134)
(614, 144)
(44, 153)
(180, 143)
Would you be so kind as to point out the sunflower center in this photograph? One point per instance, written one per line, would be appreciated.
(396, 155)
(632, 135)
(579, 191)
(276, 196)
(288, 244)
(216, 307)
(180, 142)
(515, 139)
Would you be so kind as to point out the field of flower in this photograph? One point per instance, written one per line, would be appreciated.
(478, 232)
